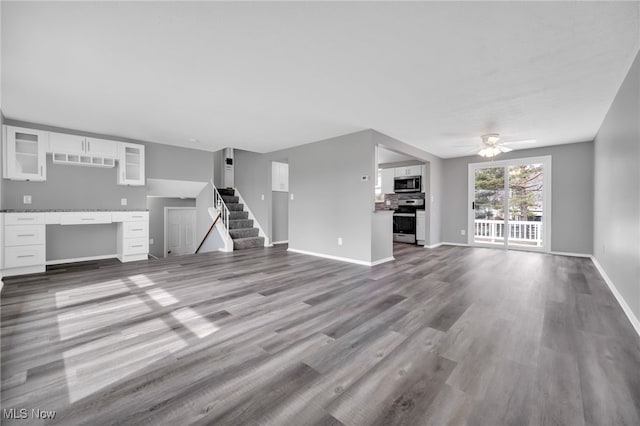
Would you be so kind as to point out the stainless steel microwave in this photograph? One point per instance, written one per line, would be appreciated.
(407, 184)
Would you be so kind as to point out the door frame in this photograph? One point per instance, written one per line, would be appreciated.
(166, 215)
(545, 160)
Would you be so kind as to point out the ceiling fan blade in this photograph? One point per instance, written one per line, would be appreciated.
(504, 148)
(522, 142)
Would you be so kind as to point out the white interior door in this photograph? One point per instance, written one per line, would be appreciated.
(180, 231)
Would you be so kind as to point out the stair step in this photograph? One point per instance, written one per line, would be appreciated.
(240, 223)
(238, 215)
(230, 199)
(246, 243)
(226, 191)
(235, 207)
(243, 232)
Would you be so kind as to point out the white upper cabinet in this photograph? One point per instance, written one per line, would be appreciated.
(101, 148)
(131, 164)
(24, 154)
(409, 171)
(279, 176)
(60, 143)
(67, 144)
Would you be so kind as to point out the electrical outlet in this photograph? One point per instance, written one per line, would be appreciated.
(463, 232)
(150, 241)
(339, 241)
(123, 201)
(291, 197)
(26, 199)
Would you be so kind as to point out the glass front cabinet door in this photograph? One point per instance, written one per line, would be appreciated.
(24, 154)
(131, 164)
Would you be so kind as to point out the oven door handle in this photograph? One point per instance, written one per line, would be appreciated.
(404, 214)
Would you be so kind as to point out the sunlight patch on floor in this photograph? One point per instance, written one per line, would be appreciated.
(141, 280)
(85, 293)
(97, 364)
(161, 297)
(199, 326)
(89, 318)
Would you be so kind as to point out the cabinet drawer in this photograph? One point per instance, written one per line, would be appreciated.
(135, 229)
(15, 257)
(24, 235)
(135, 246)
(130, 216)
(87, 218)
(24, 218)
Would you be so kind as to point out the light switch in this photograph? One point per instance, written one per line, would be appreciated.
(123, 201)
(291, 197)
(262, 197)
(339, 241)
(150, 241)
(26, 199)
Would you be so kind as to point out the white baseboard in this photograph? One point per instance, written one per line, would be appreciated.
(153, 257)
(444, 243)
(342, 259)
(80, 259)
(563, 253)
(381, 261)
(280, 242)
(432, 246)
(623, 304)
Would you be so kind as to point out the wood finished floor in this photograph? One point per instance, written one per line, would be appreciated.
(451, 335)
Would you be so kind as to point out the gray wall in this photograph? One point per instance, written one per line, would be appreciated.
(571, 195)
(280, 216)
(1, 171)
(77, 187)
(433, 191)
(156, 207)
(324, 178)
(617, 191)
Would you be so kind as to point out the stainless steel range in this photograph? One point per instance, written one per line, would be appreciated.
(404, 218)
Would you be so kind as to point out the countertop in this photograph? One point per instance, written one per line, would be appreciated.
(69, 210)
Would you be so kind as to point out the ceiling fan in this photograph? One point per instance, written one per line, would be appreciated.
(491, 145)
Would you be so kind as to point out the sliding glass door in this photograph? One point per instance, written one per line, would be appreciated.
(510, 203)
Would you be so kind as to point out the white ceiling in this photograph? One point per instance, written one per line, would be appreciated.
(264, 76)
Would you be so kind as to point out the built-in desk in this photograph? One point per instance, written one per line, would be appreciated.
(24, 238)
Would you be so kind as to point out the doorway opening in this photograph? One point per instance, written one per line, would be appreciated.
(510, 204)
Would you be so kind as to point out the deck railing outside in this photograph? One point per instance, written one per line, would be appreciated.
(520, 231)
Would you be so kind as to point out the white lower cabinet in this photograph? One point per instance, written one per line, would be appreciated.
(133, 236)
(23, 244)
(23, 237)
(421, 227)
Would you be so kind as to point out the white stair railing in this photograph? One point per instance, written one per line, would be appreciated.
(218, 204)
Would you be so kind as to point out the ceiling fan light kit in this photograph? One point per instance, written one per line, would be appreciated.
(491, 147)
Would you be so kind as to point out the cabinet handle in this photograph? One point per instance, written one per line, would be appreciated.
(26, 235)
(27, 255)
(88, 146)
(136, 217)
(83, 145)
(26, 218)
(40, 170)
(137, 229)
(88, 218)
(139, 245)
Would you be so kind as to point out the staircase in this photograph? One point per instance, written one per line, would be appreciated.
(241, 228)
